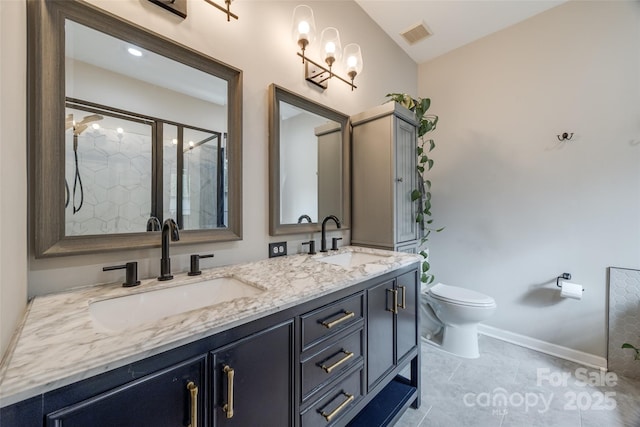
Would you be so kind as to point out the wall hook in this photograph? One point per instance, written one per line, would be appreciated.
(565, 136)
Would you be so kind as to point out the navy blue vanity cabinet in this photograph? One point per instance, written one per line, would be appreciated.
(392, 321)
(252, 380)
(332, 361)
(172, 397)
(392, 350)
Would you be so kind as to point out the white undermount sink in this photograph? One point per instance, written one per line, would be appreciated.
(351, 259)
(124, 312)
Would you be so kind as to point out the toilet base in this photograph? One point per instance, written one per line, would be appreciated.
(461, 340)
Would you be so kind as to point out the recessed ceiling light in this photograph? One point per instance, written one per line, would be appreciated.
(95, 126)
(120, 130)
(134, 51)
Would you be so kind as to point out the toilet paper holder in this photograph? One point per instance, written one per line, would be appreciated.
(564, 276)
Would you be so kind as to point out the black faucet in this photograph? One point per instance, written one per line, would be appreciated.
(153, 224)
(323, 240)
(169, 229)
(303, 217)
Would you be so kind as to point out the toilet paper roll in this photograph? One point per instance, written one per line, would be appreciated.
(571, 290)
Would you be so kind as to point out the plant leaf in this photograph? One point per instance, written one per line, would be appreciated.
(415, 195)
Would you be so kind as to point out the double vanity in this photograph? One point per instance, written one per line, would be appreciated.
(305, 340)
(299, 340)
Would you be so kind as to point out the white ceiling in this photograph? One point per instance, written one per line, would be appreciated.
(453, 23)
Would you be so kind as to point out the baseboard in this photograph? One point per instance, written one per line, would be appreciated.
(566, 353)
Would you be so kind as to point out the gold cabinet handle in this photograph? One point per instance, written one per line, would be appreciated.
(347, 315)
(193, 389)
(331, 415)
(348, 355)
(228, 407)
(404, 296)
(394, 309)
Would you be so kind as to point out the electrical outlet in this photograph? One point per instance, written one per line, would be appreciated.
(277, 249)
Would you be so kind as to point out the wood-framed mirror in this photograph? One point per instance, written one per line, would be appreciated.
(126, 128)
(308, 164)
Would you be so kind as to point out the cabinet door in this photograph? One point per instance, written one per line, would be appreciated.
(372, 183)
(166, 398)
(406, 177)
(379, 331)
(407, 318)
(253, 381)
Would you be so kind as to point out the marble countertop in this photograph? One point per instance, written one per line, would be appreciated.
(58, 342)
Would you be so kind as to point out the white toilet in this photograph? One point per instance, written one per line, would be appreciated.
(450, 317)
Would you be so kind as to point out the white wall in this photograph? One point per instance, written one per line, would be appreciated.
(260, 44)
(519, 206)
(13, 171)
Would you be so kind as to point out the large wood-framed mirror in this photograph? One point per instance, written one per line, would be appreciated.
(127, 128)
(308, 164)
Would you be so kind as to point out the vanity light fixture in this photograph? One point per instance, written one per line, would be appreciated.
(226, 9)
(304, 32)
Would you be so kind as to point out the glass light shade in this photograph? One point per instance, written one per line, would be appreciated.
(304, 26)
(352, 60)
(330, 45)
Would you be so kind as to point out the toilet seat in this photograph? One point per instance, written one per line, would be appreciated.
(460, 296)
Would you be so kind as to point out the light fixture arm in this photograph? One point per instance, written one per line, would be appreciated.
(318, 77)
(226, 10)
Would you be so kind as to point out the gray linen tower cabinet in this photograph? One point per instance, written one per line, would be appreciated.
(384, 142)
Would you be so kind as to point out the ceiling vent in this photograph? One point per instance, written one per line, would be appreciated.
(416, 33)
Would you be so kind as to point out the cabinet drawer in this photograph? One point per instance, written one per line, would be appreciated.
(331, 362)
(333, 405)
(327, 320)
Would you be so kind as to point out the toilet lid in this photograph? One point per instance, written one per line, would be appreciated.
(462, 296)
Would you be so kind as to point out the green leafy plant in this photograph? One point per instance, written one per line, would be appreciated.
(636, 349)
(422, 195)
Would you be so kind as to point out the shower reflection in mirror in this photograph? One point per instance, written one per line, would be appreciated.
(112, 185)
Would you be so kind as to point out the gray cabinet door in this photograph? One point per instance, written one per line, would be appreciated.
(406, 177)
(253, 380)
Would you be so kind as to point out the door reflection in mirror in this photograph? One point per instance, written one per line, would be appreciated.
(310, 159)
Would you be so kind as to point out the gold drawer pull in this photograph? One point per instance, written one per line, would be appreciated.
(228, 407)
(331, 415)
(394, 309)
(404, 296)
(193, 388)
(348, 355)
(347, 315)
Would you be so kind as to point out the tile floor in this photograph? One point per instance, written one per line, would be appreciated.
(512, 386)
